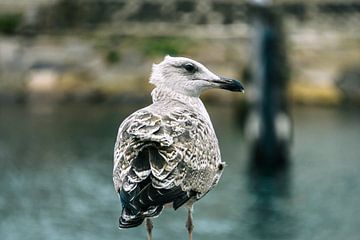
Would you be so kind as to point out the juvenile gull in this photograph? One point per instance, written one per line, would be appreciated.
(167, 154)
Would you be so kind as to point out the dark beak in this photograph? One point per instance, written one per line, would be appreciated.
(229, 84)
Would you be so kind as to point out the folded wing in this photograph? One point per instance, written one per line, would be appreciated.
(149, 166)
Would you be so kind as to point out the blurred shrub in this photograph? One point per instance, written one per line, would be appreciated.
(160, 46)
(9, 22)
(112, 57)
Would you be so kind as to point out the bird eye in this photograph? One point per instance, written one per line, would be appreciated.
(189, 67)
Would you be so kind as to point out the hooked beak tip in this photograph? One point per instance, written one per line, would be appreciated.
(231, 85)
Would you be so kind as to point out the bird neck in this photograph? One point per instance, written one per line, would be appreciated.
(167, 94)
(161, 93)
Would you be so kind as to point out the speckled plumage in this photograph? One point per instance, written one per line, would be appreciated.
(168, 153)
(183, 135)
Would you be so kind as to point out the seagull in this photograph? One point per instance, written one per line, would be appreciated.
(167, 154)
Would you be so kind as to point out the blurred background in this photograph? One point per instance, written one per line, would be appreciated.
(72, 70)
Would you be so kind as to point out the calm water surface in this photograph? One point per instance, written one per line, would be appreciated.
(56, 166)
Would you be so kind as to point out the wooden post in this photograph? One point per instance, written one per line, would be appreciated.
(268, 127)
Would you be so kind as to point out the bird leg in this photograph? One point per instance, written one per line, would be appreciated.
(149, 226)
(189, 223)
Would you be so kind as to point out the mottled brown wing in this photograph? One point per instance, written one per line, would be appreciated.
(148, 163)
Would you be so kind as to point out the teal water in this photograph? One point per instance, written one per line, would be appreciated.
(56, 166)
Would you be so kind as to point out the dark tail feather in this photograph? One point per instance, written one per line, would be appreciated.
(181, 200)
(127, 220)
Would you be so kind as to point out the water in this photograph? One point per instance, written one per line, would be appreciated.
(56, 165)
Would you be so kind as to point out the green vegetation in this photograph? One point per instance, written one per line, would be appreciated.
(112, 57)
(9, 22)
(159, 46)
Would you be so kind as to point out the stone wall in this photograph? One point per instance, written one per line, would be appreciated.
(92, 46)
(204, 18)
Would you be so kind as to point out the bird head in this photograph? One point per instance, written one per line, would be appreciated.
(189, 77)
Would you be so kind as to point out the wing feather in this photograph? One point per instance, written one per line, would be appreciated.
(148, 164)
